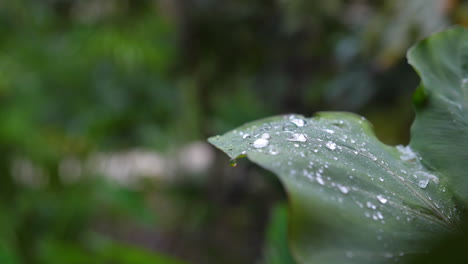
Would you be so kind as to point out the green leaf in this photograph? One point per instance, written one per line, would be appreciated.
(353, 199)
(439, 132)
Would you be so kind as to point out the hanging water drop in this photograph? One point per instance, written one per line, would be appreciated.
(233, 162)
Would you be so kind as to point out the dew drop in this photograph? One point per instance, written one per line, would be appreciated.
(273, 152)
(298, 138)
(379, 215)
(329, 131)
(330, 145)
(382, 199)
(426, 175)
(406, 153)
(245, 136)
(464, 82)
(298, 122)
(266, 127)
(343, 189)
(260, 143)
(265, 136)
(371, 205)
(320, 181)
(289, 126)
(423, 183)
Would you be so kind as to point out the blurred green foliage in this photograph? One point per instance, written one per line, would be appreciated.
(79, 77)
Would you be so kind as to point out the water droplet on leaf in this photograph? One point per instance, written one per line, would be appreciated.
(343, 189)
(330, 145)
(423, 183)
(260, 143)
(298, 138)
(298, 122)
(382, 199)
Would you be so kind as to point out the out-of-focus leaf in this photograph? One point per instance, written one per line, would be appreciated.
(276, 245)
(439, 132)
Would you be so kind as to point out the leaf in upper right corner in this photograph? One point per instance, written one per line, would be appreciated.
(440, 130)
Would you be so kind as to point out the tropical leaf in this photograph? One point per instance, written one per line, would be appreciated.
(439, 132)
(354, 199)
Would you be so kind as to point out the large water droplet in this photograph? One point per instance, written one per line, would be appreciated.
(423, 183)
(245, 136)
(260, 143)
(265, 136)
(382, 199)
(298, 138)
(298, 122)
(330, 145)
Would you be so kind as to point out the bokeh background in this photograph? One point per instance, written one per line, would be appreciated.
(105, 107)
